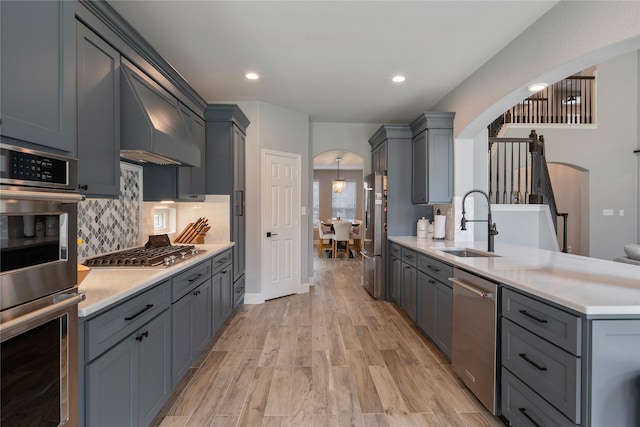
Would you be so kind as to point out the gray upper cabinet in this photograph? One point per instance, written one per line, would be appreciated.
(432, 158)
(192, 180)
(98, 115)
(225, 127)
(38, 73)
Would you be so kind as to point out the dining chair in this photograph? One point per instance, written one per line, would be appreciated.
(326, 238)
(342, 234)
(356, 234)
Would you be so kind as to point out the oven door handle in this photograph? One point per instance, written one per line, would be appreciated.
(23, 323)
(41, 195)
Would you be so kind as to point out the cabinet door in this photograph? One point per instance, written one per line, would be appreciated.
(238, 221)
(409, 296)
(201, 319)
(396, 280)
(440, 166)
(181, 340)
(154, 367)
(426, 304)
(443, 317)
(222, 297)
(98, 69)
(112, 386)
(419, 168)
(190, 180)
(38, 72)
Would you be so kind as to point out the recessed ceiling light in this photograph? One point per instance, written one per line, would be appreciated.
(536, 87)
(398, 79)
(252, 76)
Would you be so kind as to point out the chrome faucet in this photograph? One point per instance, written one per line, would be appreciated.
(491, 226)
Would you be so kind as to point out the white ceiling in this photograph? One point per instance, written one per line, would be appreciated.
(332, 60)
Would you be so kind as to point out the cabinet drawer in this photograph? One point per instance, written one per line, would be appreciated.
(395, 250)
(550, 371)
(409, 257)
(220, 261)
(435, 268)
(107, 329)
(555, 325)
(189, 279)
(238, 291)
(522, 407)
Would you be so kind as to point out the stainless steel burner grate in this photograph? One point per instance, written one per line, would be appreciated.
(144, 257)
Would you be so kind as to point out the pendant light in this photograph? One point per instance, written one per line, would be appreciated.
(338, 184)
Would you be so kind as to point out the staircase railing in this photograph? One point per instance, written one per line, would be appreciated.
(518, 173)
(569, 101)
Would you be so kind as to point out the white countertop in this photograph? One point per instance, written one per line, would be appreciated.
(106, 286)
(587, 285)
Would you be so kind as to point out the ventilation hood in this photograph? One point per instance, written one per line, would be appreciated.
(151, 126)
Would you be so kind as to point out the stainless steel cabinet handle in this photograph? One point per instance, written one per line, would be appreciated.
(41, 195)
(478, 292)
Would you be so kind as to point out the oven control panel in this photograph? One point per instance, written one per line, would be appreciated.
(29, 167)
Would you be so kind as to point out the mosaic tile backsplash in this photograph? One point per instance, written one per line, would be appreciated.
(114, 224)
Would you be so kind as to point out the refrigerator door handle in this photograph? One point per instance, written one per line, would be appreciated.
(366, 254)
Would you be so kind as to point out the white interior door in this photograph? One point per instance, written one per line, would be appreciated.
(280, 224)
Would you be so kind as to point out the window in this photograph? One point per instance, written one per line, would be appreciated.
(316, 202)
(343, 204)
(164, 220)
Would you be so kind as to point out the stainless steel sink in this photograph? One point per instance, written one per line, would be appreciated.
(468, 253)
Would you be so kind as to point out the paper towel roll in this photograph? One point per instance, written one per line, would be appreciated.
(440, 226)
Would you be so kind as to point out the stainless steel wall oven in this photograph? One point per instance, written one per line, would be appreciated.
(38, 291)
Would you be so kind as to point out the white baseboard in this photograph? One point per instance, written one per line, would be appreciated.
(253, 298)
(304, 288)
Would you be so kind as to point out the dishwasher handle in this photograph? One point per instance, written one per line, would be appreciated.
(478, 292)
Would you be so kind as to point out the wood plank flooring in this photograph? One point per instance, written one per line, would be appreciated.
(332, 357)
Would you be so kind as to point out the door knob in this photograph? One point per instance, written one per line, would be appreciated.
(269, 234)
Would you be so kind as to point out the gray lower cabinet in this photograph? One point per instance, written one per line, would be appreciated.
(191, 318)
(98, 115)
(432, 158)
(561, 368)
(38, 73)
(409, 293)
(128, 384)
(435, 301)
(222, 292)
(395, 280)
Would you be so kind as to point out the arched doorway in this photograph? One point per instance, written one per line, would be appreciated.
(328, 204)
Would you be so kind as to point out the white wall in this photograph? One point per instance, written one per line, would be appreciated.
(279, 129)
(607, 153)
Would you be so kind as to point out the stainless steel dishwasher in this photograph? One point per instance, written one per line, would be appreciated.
(474, 355)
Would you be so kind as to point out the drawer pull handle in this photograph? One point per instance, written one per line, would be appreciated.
(431, 267)
(139, 313)
(142, 336)
(433, 282)
(194, 278)
(524, 412)
(196, 293)
(537, 319)
(531, 362)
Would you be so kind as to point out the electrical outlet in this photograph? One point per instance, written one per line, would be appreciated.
(607, 212)
(621, 212)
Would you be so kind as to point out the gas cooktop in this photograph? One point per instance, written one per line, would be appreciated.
(157, 252)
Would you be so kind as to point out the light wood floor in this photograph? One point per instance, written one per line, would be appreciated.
(332, 357)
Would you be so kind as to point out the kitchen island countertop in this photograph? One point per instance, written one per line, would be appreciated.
(590, 286)
(106, 286)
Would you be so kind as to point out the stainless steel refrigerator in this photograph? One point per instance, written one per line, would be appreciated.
(374, 272)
